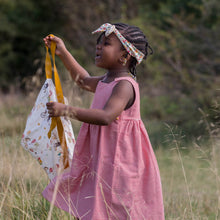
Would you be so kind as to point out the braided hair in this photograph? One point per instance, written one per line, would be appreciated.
(135, 36)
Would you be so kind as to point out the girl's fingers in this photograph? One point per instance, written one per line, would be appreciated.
(47, 42)
(51, 113)
(53, 38)
(51, 110)
(59, 43)
(48, 39)
(50, 104)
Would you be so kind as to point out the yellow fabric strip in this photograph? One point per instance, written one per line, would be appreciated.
(48, 66)
(56, 121)
(59, 90)
(63, 143)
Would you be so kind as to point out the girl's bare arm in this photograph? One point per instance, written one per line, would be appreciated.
(77, 72)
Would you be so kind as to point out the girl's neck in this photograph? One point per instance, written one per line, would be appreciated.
(114, 73)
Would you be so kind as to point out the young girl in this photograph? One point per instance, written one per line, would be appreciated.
(114, 172)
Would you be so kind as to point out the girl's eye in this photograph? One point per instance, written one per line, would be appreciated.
(106, 43)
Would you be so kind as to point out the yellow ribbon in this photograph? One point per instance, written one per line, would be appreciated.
(56, 121)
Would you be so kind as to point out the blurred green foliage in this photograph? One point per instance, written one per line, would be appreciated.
(23, 25)
(181, 76)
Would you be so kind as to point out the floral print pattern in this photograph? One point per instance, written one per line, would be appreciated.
(47, 151)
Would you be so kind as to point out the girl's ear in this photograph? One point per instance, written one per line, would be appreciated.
(128, 57)
(125, 56)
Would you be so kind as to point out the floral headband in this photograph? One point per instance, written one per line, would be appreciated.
(131, 49)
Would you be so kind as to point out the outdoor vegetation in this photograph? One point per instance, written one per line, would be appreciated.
(179, 84)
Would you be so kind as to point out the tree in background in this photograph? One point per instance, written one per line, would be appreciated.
(24, 23)
(22, 28)
(181, 76)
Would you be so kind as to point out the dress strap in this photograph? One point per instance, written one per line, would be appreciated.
(128, 78)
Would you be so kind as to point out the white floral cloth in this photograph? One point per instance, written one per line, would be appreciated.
(47, 151)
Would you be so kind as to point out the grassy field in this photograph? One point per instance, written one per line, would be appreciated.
(190, 174)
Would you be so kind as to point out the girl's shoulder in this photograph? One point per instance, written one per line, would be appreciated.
(132, 80)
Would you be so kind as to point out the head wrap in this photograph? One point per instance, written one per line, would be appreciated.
(131, 49)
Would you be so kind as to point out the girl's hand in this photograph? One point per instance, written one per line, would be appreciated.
(56, 109)
(60, 46)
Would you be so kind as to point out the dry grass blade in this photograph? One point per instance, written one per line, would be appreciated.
(183, 170)
(7, 188)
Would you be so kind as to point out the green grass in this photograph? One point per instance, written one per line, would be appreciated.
(190, 174)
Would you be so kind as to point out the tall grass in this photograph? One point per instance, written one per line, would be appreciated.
(190, 174)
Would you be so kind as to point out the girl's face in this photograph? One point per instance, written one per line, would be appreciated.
(109, 52)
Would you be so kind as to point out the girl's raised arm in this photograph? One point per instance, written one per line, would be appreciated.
(77, 72)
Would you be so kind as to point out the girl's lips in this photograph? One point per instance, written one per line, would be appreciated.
(97, 56)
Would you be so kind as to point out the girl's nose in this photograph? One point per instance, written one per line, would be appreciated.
(98, 46)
